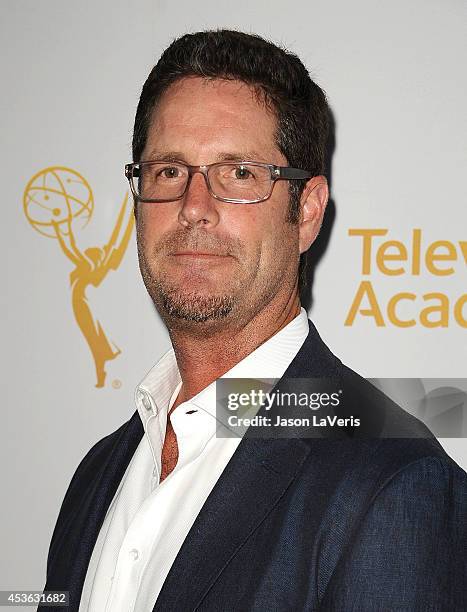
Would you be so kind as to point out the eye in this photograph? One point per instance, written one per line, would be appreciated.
(169, 172)
(242, 173)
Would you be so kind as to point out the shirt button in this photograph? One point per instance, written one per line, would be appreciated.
(146, 403)
(134, 554)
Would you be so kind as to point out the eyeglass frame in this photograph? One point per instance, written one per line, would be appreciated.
(276, 173)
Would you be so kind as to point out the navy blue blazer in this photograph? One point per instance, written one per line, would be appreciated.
(297, 524)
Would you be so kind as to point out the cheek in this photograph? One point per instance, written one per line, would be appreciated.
(154, 220)
(280, 244)
(269, 241)
(157, 215)
(247, 226)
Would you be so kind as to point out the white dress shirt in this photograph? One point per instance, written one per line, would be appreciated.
(147, 522)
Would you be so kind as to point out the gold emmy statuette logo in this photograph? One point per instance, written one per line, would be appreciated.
(57, 201)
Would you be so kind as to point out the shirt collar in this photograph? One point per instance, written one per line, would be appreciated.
(158, 390)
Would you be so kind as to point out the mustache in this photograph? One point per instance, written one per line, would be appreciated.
(198, 240)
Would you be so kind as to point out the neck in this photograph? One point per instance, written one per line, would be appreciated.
(204, 357)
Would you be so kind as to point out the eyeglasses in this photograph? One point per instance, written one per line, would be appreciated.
(244, 182)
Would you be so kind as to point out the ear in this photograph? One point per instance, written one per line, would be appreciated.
(312, 207)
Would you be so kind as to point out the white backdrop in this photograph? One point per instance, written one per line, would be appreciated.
(71, 77)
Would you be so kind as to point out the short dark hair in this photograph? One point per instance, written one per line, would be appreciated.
(278, 76)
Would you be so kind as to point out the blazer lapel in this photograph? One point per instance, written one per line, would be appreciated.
(254, 480)
(252, 483)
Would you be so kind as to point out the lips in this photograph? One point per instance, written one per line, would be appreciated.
(199, 259)
(198, 254)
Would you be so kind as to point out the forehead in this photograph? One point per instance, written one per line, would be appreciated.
(213, 115)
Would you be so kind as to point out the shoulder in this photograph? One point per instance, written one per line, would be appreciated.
(124, 440)
(99, 452)
(379, 415)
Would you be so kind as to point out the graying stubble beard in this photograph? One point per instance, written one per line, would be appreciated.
(175, 304)
(194, 307)
(172, 303)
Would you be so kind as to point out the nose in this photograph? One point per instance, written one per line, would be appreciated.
(198, 207)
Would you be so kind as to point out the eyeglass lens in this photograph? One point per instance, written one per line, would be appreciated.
(167, 181)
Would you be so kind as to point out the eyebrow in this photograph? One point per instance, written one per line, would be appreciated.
(235, 156)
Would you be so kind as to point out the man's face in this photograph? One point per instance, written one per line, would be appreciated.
(202, 260)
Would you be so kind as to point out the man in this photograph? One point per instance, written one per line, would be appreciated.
(229, 149)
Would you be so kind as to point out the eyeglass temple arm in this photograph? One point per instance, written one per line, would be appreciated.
(285, 172)
(131, 170)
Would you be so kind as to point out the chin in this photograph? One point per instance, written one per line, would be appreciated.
(195, 307)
